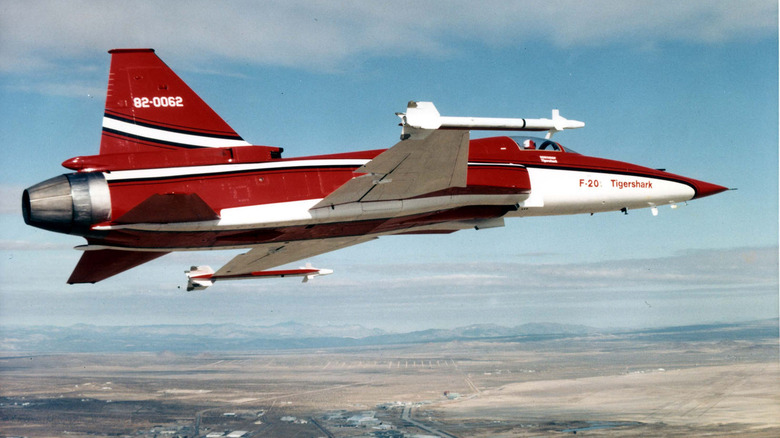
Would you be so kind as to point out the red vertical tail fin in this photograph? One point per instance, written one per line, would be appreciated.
(149, 108)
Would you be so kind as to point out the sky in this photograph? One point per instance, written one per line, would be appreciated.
(687, 86)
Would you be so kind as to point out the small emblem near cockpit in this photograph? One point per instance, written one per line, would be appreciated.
(548, 159)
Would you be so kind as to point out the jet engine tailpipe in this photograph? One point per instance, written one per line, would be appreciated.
(68, 204)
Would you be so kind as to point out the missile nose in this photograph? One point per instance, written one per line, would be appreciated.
(706, 189)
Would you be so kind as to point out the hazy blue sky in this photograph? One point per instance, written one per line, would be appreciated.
(688, 86)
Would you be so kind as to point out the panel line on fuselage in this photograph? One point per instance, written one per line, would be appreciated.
(460, 217)
(231, 169)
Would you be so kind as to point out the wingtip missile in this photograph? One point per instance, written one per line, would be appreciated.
(422, 117)
(201, 277)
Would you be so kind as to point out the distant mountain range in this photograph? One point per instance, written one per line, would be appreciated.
(292, 335)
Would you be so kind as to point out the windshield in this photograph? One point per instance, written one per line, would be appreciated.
(539, 144)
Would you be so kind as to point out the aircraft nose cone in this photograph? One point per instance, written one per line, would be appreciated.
(706, 189)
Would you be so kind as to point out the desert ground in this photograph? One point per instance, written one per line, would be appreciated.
(594, 385)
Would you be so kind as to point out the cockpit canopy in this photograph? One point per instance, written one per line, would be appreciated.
(526, 143)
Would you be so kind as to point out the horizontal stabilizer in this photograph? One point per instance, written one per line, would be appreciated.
(100, 264)
(169, 208)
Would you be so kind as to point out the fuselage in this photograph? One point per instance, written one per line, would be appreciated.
(258, 198)
(172, 175)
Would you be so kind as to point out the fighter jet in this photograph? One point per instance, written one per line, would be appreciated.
(171, 175)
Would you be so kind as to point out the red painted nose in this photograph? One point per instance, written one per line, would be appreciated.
(706, 189)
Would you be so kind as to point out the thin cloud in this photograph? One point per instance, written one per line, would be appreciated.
(24, 245)
(699, 269)
(11, 199)
(74, 89)
(331, 35)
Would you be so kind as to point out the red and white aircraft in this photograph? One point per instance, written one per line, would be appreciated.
(173, 176)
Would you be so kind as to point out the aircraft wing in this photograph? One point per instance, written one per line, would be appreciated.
(270, 255)
(412, 167)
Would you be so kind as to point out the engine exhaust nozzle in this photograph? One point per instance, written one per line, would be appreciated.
(68, 204)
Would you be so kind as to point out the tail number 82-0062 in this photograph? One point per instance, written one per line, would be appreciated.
(158, 102)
